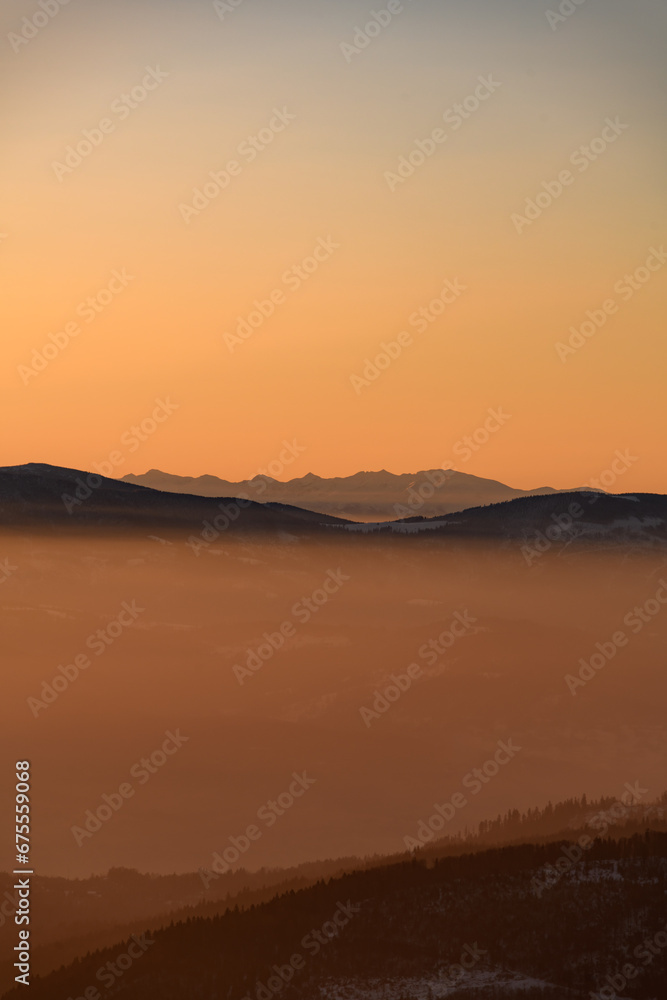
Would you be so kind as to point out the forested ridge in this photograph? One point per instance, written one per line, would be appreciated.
(412, 921)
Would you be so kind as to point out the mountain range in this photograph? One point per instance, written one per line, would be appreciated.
(77, 545)
(365, 496)
(36, 495)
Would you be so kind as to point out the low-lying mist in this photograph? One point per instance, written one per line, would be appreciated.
(281, 701)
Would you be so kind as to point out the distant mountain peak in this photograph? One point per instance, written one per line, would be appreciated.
(367, 495)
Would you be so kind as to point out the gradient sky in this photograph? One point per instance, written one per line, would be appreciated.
(323, 176)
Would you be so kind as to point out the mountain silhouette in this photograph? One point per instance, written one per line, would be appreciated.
(45, 495)
(471, 926)
(365, 496)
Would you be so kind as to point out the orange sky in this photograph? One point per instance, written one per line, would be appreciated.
(325, 178)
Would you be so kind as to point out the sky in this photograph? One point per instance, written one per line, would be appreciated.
(372, 232)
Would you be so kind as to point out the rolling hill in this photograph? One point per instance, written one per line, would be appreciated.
(472, 926)
(44, 496)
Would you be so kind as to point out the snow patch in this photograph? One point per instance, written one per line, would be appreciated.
(427, 988)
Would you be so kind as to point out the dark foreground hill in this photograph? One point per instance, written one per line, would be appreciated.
(545, 521)
(528, 921)
(47, 496)
(72, 917)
